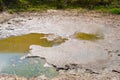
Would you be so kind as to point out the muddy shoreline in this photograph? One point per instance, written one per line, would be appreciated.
(13, 25)
(92, 16)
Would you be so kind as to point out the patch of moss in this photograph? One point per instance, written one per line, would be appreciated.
(86, 36)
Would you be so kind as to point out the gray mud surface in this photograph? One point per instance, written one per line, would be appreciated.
(89, 60)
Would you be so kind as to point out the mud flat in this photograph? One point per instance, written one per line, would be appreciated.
(81, 58)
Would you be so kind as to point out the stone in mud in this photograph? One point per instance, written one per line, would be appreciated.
(9, 23)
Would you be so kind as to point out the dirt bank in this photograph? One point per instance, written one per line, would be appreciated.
(5, 16)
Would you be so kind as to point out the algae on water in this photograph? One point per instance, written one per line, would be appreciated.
(22, 43)
(87, 36)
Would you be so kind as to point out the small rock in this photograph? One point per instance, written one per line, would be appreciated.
(47, 65)
(116, 51)
(9, 22)
(61, 71)
(30, 19)
(42, 77)
(118, 54)
(116, 71)
(73, 72)
(9, 29)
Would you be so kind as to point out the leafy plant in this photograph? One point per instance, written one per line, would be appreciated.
(115, 10)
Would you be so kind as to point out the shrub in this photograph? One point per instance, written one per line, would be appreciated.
(115, 10)
(1, 5)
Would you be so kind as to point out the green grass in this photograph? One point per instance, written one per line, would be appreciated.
(47, 7)
(41, 5)
(109, 9)
(115, 10)
(31, 8)
(36, 5)
(40, 8)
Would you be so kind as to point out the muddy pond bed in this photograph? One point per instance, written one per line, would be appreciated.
(15, 47)
(88, 43)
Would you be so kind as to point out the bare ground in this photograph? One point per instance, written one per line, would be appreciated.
(46, 22)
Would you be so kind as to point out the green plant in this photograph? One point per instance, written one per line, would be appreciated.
(115, 10)
(38, 5)
(11, 11)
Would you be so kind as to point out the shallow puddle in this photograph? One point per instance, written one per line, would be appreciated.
(12, 48)
(86, 36)
(22, 43)
(11, 64)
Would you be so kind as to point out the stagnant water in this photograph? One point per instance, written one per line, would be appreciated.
(86, 36)
(22, 43)
(12, 48)
(12, 64)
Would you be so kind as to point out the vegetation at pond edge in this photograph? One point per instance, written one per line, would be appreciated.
(112, 6)
(86, 36)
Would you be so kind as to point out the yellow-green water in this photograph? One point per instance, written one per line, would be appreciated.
(22, 43)
(86, 36)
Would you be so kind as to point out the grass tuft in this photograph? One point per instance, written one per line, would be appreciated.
(115, 11)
